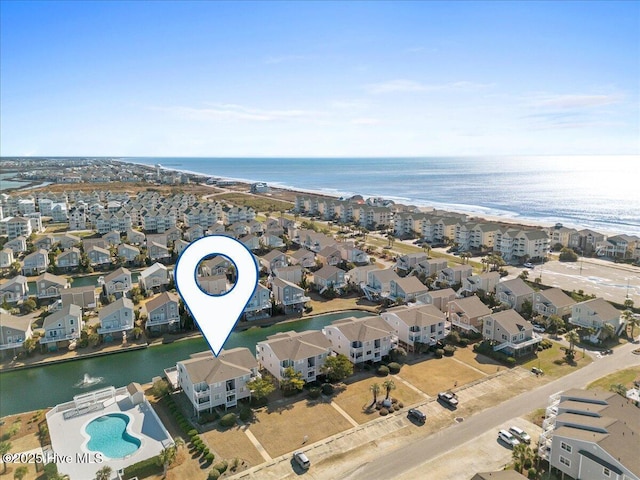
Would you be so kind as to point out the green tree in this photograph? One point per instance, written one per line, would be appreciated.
(608, 331)
(94, 339)
(260, 387)
(178, 442)
(292, 380)
(104, 473)
(567, 255)
(20, 472)
(160, 388)
(521, 453)
(555, 323)
(165, 458)
(375, 389)
(572, 337)
(389, 385)
(631, 320)
(29, 345)
(527, 309)
(15, 269)
(5, 447)
(524, 275)
(136, 332)
(29, 305)
(337, 368)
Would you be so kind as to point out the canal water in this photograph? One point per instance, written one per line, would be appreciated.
(46, 386)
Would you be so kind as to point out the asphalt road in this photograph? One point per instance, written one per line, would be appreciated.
(392, 464)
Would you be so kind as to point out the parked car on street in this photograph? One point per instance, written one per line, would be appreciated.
(449, 398)
(418, 415)
(537, 371)
(520, 434)
(507, 438)
(538, 328)
(529, 265)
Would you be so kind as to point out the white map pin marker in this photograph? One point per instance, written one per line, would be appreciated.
(216, 315)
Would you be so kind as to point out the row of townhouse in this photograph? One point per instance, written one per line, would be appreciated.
(346, 211)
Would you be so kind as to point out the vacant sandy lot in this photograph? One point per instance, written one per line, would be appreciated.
(438, 374)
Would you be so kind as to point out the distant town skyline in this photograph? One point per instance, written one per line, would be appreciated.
(319, 79)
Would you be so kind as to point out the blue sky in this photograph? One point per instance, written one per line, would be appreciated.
(319, 78)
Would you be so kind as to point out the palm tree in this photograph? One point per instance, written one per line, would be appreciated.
(608, 331)
(166, 457)
(104, 473)
(427, 248)
(178, 442)
(572, 337)
(375, 389)
(631, 320)
(389, 385)
(521, 453)
(5, 447)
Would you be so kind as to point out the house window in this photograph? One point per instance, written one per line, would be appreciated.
(565, 461)
(606, 472)
(71, 321)
(566, 447)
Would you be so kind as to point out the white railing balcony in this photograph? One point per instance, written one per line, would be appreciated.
(201, 394)
(59, 338)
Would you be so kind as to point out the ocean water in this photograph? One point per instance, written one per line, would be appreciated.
(598, 192)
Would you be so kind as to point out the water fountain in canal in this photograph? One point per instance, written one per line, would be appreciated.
(88, 381)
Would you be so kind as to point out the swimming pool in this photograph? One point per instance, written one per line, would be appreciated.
(108, 435)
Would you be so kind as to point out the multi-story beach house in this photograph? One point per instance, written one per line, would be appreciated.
(112, 238)
(116, 318)
(291, 274)
(77, 218)
(221, 381)
(238, 214)
(352, 254)
(135, 237)
(485, 282)
(6, 258)
(303, 257)
(45, 242)
(358, 275)
(69, 259)
(259, 305)
(408, 262)
(415, 325)
(379, 282)
(86, 297)
(512, 334)
(552, 301)
(217, 265)
(514, 293)
(193, 233)
(98, 255)
(591, 434)
(50, 286)
(329, 255)
(154, 277)
(157, 251)
(288, 295)
(36, 263)
(117, 283)
(270, 240)
(62, 327)
(68, 241)
(594, 314)
(214, 284)
(14, 290)
(305, 352)
(273, 259)
(360, 339)
(18, 227)
(618, 246)
(163, 313)
(128, 252)
(440, 298)
(407, 289)
(18, 244)
(14, 331)
(561, 235)
(467, 314)
(585, 241)
(329, 277)
(516, 245)
(431, 266)
(455, 275)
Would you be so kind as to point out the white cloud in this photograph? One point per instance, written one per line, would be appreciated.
(401, 85)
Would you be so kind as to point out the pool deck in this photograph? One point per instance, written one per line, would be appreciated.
(68, 437)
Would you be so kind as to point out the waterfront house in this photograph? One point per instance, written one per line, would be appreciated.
(303, 257)
(408, 262)
(455, 275)
(116, 318)
(273, 259)
(416, 324)
(50, 286)
(128, 253)
(329, 277)
(238, 214)
(117, 283)
(214, 284)
(14, 331)
(69, 259)
(18, 244)
(407, 289)
(36, 263)
(379, 281)
(430, 266)
(485, 282)
(6, 258)
(358, 275)
(288, 295)
(291, 274)
(511, 334)
(585, 241)
(62, 327)
(210, 382)
(156, 251)
(467, 313)
(617, 246)
(259, 305)
(561, 235)
(87, 243)
(14, 290)
(217, 265)
(45, 242)
(594, 314)
(591, 434)
(305, 352)
(193, 233)
(112, 238)
(329, 256)
(360, 339)
(173, 234)
(440, 298)
(154, 277)
(552, 301)
(85, 297)
(159, 238)
(514, 293)
(98, 255)
(163, 313)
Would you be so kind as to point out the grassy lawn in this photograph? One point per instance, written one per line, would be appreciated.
(476, 360)
(259, 204)
(435, 375)
(323, 305)
(230, 443)
(624, 377)
(282, 430)
(546, 360)
(357, 396)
